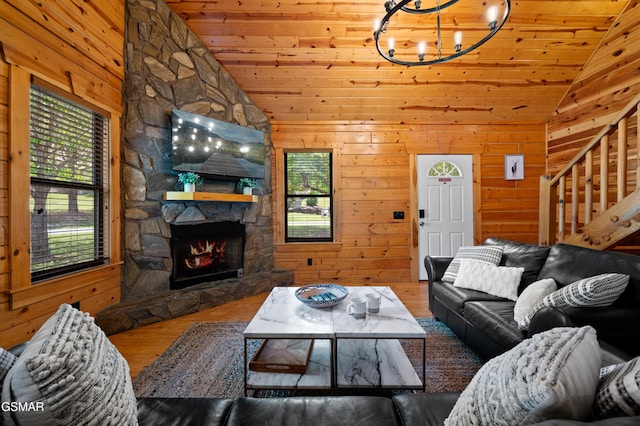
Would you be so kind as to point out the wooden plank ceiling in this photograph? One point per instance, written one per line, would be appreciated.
(316, 60)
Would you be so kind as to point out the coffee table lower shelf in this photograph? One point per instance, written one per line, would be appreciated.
(361, 364)
(317, 376)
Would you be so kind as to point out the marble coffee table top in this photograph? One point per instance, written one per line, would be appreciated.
(283, 316)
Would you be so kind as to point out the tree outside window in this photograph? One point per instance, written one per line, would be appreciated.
(68, 174)
(309, 212)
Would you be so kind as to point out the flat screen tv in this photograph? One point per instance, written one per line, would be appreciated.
(214, 148)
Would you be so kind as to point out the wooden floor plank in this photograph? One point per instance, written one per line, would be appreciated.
(141, 346)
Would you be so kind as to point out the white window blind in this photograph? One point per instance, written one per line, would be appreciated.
(68, 171)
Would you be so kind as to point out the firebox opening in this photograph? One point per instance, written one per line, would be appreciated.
(206, 252)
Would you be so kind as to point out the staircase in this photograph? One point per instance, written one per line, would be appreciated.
(594, 201)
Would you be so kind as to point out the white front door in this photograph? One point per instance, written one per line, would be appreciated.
(445, 205)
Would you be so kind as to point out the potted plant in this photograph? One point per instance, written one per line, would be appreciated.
(189, 180)
(247, 185)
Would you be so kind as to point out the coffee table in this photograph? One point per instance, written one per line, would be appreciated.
(347, 352)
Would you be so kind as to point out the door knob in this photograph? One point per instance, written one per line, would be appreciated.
(421, 223)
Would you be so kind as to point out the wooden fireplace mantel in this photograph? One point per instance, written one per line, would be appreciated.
(208, 196)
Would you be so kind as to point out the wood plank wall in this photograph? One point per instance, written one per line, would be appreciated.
(78, 49)
(607, 83)
(376, 176)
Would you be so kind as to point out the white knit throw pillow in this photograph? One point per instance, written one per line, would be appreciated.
(552, 375)
(75, 374)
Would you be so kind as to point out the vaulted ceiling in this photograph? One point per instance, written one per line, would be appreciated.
(317, 61)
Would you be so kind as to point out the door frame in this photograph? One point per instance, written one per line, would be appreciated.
(413, 210)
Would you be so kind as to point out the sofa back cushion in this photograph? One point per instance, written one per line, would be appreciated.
(567, 264)
(529, 256)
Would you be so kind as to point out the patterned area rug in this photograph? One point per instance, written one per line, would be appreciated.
(206, 361)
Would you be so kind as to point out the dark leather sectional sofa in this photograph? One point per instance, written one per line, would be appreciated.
(417, 409)
(486, 324)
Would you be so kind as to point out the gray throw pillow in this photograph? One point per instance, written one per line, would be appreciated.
(618, 393)
(600, 290)
(7, 359)
(552, 375)
(72, 374)
(488, 254)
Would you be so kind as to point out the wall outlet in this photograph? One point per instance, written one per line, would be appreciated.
(398, 215)
(309, 262)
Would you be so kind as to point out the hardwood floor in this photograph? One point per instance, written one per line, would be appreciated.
(141, 346)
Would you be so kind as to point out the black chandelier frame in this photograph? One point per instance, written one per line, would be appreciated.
(392, 8)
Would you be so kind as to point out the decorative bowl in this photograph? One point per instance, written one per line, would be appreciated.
(321, 295)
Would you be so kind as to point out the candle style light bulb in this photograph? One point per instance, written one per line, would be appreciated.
(376, 25)
(391, 43)
(457, 40)
(422, 48)
(492, 16)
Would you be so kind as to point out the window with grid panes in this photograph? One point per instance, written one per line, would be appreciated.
(309, 189)
(68, 172)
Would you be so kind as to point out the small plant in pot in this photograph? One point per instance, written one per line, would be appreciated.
(247, 185)
(189, 180)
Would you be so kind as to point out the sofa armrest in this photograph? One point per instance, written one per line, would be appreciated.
(547, 318)
(436, 267)
(614, 325)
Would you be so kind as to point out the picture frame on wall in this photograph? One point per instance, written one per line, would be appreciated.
(514, 167)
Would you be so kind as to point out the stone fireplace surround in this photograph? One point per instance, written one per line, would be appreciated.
(168, 67)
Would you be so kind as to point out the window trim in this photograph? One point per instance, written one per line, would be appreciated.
(288, 196)
(98, 185)
(279, 189)
(21, 291)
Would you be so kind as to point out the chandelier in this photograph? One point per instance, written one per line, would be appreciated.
(448, 33)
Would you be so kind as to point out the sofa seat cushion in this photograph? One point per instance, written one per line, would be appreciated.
(428, 409)
(183, 411)
(495, 318)
(318, 410)
(455, 297)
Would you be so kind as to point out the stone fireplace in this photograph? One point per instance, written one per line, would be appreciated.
(167, 67)
(206, 252)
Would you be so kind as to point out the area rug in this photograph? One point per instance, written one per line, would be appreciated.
(206, 361)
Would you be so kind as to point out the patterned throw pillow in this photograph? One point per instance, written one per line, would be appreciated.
(74, 373)
(7, 359)
(618, 393)
(501, 281)
(488, 254)
(552, 375)
(529, 297)
(601, 290)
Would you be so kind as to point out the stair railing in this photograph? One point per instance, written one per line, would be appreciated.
(554, 190)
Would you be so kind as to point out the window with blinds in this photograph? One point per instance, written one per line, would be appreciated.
(68, 172)
(309, 189)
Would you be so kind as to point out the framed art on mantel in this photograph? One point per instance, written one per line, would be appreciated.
(514, 167)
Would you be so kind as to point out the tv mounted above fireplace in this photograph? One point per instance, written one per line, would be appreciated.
(214, 148)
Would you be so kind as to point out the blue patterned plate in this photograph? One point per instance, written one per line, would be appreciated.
(321, 295)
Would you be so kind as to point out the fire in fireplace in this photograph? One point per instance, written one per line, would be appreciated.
(206, 252)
